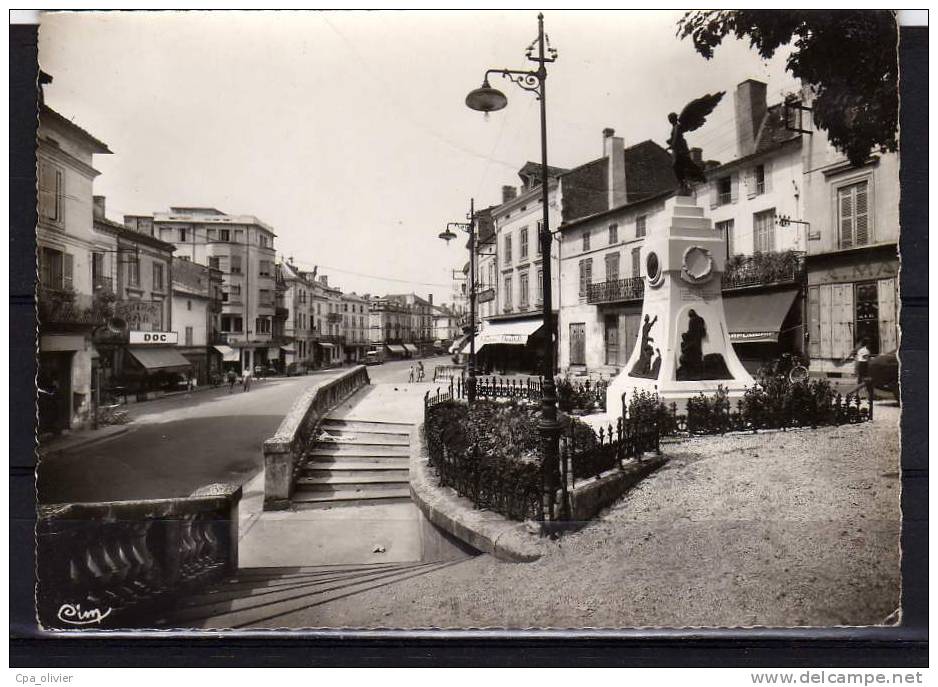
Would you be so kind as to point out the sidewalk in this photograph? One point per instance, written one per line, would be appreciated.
(79, 439)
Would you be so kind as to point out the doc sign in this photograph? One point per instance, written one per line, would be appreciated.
(154, 337)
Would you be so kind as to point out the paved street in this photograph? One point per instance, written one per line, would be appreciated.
(180, 443)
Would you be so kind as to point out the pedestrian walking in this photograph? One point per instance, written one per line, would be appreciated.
(420, 371)
(411, 378)
(232, 378)
(247, 381)
(861, 355)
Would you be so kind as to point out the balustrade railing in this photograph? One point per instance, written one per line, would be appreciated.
(116, 564)
(632, 288)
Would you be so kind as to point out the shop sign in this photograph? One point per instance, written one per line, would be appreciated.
(486, 296)
(154, 337)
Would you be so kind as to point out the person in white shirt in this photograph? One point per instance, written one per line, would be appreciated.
(861, 355)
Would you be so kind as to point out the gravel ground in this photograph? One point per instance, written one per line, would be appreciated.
(777, 529)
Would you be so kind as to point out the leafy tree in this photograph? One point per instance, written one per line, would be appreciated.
(848, 57)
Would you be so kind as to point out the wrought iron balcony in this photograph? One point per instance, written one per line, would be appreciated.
(331, 338)
(615, 290)
(103, 284)
(763, 269)
(64, 308)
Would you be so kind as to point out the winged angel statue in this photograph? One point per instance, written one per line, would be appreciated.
(692, 117)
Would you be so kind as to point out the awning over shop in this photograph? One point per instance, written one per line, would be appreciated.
(459, 344)
(288, 349)
(396, 348)
(160, 358)
(411, 349)
(516, 332)
(228, 354)
(273, 352)
(326, 344)
(757, 318)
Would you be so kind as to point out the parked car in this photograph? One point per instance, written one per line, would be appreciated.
(884, 370)
(264, 371)
(297, 369)
(374, 358)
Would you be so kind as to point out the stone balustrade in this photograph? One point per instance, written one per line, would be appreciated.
(116, 564)
(284, 450)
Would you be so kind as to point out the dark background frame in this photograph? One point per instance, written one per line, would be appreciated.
(901, 646)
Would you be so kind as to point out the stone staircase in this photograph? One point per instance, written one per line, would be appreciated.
(356, 462)
(286, 597)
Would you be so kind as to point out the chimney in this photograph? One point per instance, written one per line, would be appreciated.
(99, 204)
(696, 154)
(614, 152)
(509, 193)
(750, 111)
(430, 299)
(324, 280)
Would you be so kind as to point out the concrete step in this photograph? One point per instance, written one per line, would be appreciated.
(335, 483)
(240, 603)
(304, 497)
(366, 436)
(352, 439)
(398, 428)
(365, 472)
(343, 450)
(346, 462)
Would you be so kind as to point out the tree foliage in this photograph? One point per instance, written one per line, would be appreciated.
(848, 57)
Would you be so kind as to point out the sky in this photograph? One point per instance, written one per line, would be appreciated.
(347, 131)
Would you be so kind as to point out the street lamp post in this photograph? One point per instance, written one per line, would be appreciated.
(487, 99)
(447, 236)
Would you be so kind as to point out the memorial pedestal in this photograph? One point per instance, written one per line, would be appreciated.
(683, 345)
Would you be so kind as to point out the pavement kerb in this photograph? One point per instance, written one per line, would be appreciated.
(82, 442)
(483, 530)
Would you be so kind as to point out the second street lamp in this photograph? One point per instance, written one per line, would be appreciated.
(448, 236)
(487, 99)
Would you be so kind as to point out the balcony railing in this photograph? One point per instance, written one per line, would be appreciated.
(630, 289)
(63, 307)
(763, 269)
(331, 338)
(105, 284)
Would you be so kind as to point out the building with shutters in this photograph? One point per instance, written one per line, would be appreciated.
(197, 307)
(355, 323)
(609, 205)
(853, 255)
(72, 281)
(300, 326)
(242, 247)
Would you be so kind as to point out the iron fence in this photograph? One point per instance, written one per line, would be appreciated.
(589, 455)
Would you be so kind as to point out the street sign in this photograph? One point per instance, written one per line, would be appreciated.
(486, 296)
(154, 337)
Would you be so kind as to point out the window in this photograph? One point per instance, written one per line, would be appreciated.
(213, 262)
(211, 234)
(507, 296)
(523, 243)
(726, 231)
(636, 262)
(264, 297)
(586, 275)
(641, 226)
(232, 323)
(540, 286)
(763, 231)
(55, 269)
(759, 173)
(724, 190)
(182, 235)
(97, 272)
(262, 325)
(263, 240)
(523, 290)
(188, 305)
(612, 266)
(853, 216)
(239, 235)
(264, 269)
(613, 234)
(586, 240)
(224, 235)
(507, 250)
(188, 336)
(157, 277)
(236, 264)
(51, 193)
(133, 270)
(235, 289)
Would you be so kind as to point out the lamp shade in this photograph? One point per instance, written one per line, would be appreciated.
(447, 235)
(486, 99)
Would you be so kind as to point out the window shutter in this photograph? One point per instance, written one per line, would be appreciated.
(750, 182)
(734, 187)
(767, 167)
(861, 211)
(846, 217)
(68, 268)
(714, 194)
(887, 315)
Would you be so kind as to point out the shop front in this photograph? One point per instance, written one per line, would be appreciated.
(852, 296)
(511, 346)
(763, 326)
